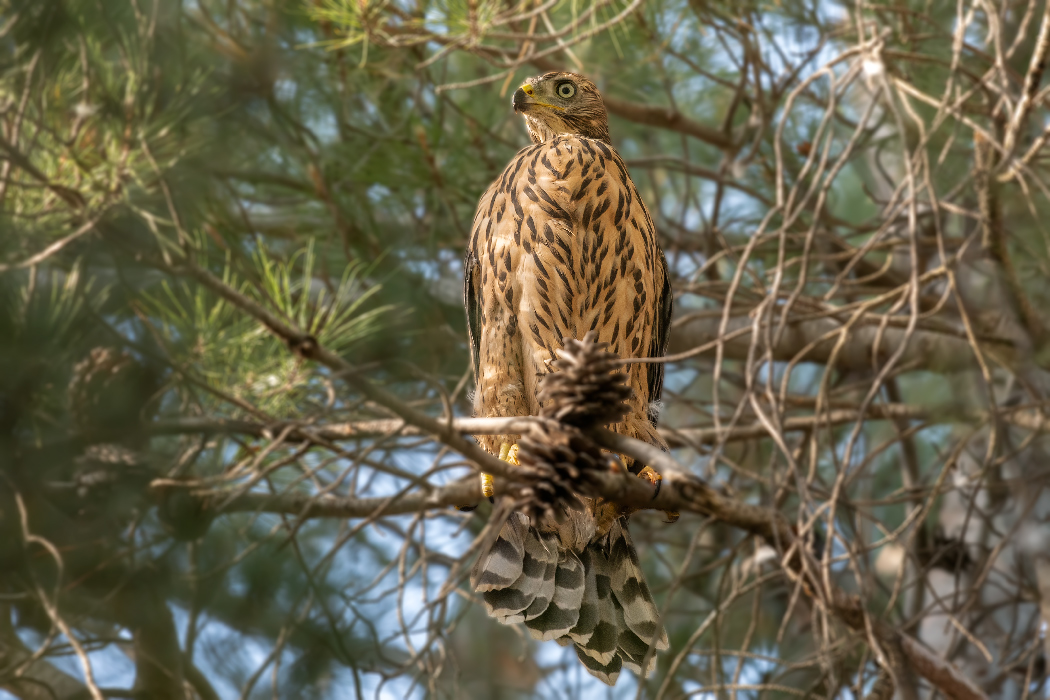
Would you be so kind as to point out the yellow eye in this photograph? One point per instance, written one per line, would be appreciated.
(566, 90)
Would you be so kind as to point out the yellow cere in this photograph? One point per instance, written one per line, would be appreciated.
(527, 89)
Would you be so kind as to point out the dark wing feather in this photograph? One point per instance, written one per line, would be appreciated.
(658, 345)
(472, 304)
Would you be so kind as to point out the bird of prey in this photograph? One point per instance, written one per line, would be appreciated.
(562, 245)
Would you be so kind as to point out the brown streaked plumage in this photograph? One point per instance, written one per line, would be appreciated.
(561, 245)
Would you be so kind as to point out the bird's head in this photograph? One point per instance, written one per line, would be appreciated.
(561, 103)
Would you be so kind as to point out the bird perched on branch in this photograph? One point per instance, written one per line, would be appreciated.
(562, 246)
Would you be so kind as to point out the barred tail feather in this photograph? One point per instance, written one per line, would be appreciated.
(588, 620)
(632, 649)
(607, 672)
(546, 585)
(596, 599)
(501, 565)
(601, 646)
(508, 604)
(564, 610)
(640, 613)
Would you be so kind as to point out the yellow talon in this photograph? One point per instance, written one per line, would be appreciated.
(654, 478)
(508, 452)
(486, 486)
(650, 475)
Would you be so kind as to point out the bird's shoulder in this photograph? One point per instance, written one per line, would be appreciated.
(553, 179)
(564, 157)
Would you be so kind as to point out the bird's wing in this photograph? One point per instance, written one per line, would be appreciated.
(472, 304)
(661, 334)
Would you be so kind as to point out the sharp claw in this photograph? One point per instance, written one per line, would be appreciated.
(651, 475)
(508, 453)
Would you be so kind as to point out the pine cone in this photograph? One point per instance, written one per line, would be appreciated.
(587, 390)
(108, 391)
(556, 461)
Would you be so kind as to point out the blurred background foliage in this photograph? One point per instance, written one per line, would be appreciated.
(863, 183)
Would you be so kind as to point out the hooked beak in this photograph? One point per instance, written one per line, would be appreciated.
(522, 98)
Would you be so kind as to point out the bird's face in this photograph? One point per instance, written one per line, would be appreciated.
(561, 103)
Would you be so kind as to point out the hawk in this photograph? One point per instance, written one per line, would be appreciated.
(562, 246)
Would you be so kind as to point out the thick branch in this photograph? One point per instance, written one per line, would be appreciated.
(1028, 418)
(306, 506)
(158, 658)
(935, 352)
(70, 197)
(942, 674)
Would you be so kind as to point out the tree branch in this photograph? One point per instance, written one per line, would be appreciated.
(1028, 418)
(307, 347)
(304, 505)
(1032, 78)
(935, 352)
(158, 658)
(667, 118)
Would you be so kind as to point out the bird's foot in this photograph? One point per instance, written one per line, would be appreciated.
(508, 452)
(654, 478)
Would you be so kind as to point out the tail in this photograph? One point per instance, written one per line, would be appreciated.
(595, 599)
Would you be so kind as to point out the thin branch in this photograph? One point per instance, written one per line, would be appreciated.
(1032, 78)
(18, 159)
(54, 247)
